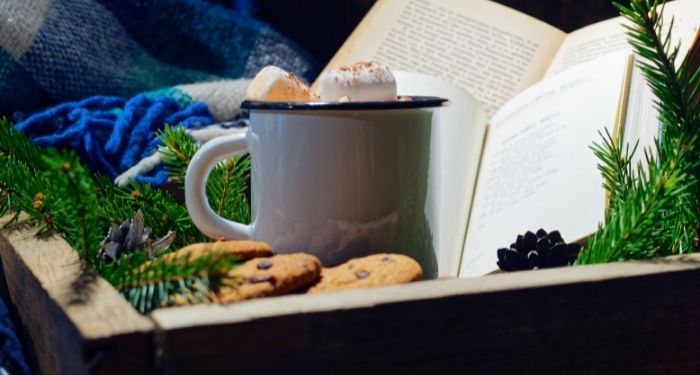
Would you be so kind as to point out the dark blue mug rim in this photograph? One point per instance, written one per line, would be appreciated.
(414, 102)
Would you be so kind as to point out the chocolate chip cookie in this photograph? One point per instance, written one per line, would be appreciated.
(277, 275)
(369, 271)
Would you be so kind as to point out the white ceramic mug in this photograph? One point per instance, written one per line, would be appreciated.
(338, 180)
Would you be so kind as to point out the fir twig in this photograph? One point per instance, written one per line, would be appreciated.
(226, 189)
(177, 150)
(653, 207)
(634, 229)
(150, 284)
(55, 189)
(228, 181)
(161, 211)
(22, 179)
(615, 166)
(75, 189)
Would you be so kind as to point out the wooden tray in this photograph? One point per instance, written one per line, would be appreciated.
(624, 317)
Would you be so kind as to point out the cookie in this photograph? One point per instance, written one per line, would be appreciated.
(244, 250)
(367, 272)
(280, 274)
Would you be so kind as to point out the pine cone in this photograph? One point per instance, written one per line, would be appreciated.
(540, 250)
(133, 235)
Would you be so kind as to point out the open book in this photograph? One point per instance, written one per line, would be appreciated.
(491, 51)
(546, 94)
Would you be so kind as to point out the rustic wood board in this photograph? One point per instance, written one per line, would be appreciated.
(631, 317)
(76, 322)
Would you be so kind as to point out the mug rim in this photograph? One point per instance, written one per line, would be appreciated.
(415, 102)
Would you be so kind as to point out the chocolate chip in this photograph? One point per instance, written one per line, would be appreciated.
(387, 259)
(361, 274)
(351, 266)
(264, 265)
(261, 279)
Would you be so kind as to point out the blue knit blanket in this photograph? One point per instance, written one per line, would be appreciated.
(53, 51)
(103, 76)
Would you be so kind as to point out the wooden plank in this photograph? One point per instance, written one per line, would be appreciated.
(76, 322)
(631, 317)
(625, 317)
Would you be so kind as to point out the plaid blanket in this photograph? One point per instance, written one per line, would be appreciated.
(102, 76)
(53, 51)
(181, 62)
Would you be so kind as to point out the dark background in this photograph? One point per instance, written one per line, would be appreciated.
(321, 26)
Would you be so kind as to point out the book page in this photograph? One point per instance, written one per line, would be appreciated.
(538, 170)
(607, 36)
(642, 125)
(489, 50)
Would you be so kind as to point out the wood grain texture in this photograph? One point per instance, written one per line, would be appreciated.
(625, 317)
(76, 321)
(631, 318)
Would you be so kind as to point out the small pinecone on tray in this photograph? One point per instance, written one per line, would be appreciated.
(133, 235)
(537, 250)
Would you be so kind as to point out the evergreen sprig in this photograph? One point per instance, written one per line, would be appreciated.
(653, 217)
(22, 181)
(177, 151)
(162, 212)
(74, 202)
(226, 189)
(228, 181)
(653, 209)
(57, 191)
(161, 282)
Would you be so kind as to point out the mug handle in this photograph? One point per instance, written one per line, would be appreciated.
(203, 217)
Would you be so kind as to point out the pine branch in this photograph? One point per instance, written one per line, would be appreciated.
(224, 195)
(21, 179)
(646, 223)
(615, 166)
(658, 63)
(161, 211)
(55, 189)
(14, 143)
(21, 195)
(74, 187)
(161, 216)
(150, 284)
(228, 181)
(227, 186)
(653, 206)
(177, 150)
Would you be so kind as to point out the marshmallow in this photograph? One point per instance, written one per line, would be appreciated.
(361, 82)
(275, 84)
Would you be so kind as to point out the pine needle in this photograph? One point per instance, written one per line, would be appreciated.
(228, 181)
(58, 192)
(150, 284)
(653, 207)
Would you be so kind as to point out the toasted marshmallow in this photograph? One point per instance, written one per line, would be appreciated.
(363, 82)
(275, 84)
